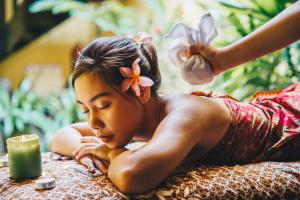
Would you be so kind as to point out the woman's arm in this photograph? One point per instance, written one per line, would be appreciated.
(67, 139)
(279, 32)
(200, 121)
(74, 137)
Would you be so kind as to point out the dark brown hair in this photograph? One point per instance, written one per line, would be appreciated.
(105, 55)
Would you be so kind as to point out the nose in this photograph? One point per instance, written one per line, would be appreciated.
(95, 122)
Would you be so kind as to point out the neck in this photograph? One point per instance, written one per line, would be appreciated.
(154, 111)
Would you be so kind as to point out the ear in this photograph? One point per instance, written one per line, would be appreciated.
(145, 94)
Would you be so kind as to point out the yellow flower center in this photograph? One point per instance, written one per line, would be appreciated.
(136, 75)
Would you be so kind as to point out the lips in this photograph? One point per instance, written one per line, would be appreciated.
(106, 138)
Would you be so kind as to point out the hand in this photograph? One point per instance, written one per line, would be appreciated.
(87, 155)
(92, 146)
(93, 164)
(215, 57)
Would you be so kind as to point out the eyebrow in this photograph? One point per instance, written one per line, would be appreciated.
(94, 98)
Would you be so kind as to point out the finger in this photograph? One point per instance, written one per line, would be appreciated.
(82, 146)
(84, 152)
(189, 52)
(100, 165)
(88, 162)
(90, 139)
(105, 162)
(192, 50)
(201, 47)
(196, 49)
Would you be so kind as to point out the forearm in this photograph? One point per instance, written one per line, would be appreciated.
(131, 176)
(133, 173)
(279, 32)
(65, 141)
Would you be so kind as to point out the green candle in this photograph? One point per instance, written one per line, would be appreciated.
(24, 157)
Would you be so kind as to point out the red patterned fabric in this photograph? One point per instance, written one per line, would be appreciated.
(268, 128)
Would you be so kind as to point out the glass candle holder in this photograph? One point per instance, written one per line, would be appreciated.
(24, 157)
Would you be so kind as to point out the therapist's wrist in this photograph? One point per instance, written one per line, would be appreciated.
(220, 61)
(226, 59)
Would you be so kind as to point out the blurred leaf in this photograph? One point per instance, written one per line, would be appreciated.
(268, 8)
(15, 98)
(19, 124)
(156, 6)
(233, 4)
(280, 5)
(4, 98)
(42, 5)
(64, 7)
(251, 22)
(8, 126)
(238, 8)
(237, 24)
(105, 25)
(25, 85)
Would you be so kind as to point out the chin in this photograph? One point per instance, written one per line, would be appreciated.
(111, 146)
(114, 145)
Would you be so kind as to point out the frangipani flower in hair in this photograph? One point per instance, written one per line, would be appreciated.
(133, 79)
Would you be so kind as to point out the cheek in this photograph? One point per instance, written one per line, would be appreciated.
(127, 118)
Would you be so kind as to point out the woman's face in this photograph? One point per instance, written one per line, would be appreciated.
(112, 117)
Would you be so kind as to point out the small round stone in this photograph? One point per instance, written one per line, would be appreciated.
(45, 183)
(3, 162)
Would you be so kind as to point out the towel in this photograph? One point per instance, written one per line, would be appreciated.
(194, 70)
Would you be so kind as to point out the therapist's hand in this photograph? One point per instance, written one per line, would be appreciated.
(215, 57)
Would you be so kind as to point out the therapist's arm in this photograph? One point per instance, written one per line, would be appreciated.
(279, 32)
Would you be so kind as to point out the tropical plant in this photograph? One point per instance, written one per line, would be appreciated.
(111, 16)
(23, 112)
(273, 71)
(63, 108)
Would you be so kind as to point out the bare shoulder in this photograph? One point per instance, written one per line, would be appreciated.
(203, 119)
(192, 104)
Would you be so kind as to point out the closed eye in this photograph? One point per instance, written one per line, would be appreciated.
(85, 111)
(104, 107)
